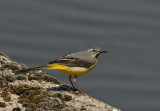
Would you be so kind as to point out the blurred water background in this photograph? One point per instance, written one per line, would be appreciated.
(34, 32)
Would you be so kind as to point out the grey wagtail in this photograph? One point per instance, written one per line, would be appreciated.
(74, 64)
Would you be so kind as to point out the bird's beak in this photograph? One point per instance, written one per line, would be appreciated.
(104, 51)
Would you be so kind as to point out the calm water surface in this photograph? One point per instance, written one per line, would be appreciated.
(36, 32)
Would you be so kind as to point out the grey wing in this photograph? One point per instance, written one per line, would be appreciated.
(72, 62)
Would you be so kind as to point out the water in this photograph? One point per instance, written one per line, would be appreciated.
(36, 32)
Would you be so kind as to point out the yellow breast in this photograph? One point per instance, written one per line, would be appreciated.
(73, 71)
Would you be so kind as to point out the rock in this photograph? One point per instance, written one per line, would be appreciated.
(6, 96)
(3, 82)
(2, 104)
(10, 78)
(42, 76)
(16, 109)
(21, 77)
(68, 108)
(10, 66)
(58, 94)
(61, 88)
(38, 91)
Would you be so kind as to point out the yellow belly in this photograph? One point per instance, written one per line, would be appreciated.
(73, 71)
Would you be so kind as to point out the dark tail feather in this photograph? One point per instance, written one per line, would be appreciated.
(32, 69)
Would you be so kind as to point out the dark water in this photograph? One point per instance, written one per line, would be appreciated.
(35, 32)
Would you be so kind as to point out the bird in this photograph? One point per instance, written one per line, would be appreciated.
(74, 64)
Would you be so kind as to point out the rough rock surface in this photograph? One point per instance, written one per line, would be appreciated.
(37, 91)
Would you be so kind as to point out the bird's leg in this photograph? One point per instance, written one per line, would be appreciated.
(74, 81)
(70, 79)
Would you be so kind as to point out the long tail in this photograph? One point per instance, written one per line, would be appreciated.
(32, 69)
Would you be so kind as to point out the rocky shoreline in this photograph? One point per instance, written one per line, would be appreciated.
(38, 91)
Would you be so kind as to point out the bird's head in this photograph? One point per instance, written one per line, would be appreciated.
(95, 51)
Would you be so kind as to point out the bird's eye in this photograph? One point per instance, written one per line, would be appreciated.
(94, 50)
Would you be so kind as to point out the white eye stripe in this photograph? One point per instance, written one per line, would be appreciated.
(66, 59)
(93, 49)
